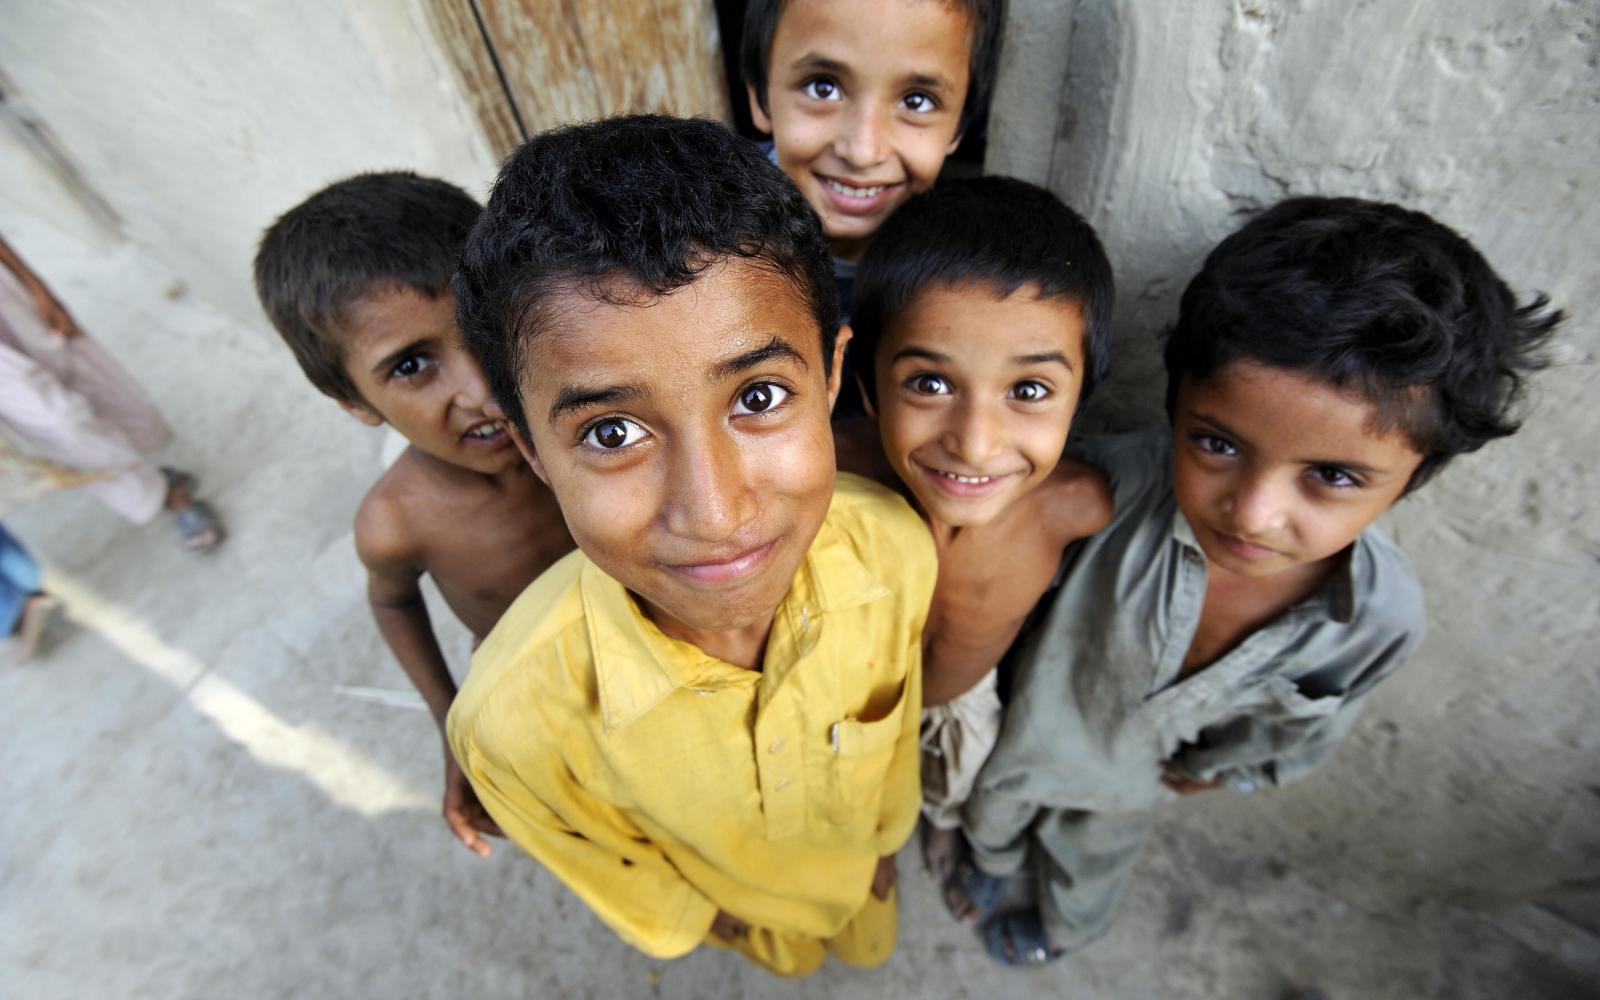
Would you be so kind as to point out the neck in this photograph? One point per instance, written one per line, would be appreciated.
(850, 250)
(743, 646)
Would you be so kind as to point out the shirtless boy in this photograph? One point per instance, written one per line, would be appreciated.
(357, 281)
(983, 319)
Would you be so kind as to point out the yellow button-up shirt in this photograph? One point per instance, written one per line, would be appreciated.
(661, 784)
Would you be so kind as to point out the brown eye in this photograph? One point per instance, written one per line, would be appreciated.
(760, 397)
(612, 434)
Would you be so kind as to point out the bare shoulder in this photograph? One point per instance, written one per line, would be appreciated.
(384, 528)
(858, 448)
(1078, 500)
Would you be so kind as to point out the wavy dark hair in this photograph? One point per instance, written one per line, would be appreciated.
(1374, 298)
(996, 231)
(361, 236)
(627, 209)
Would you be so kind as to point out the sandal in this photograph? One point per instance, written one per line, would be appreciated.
(197, 522)
(980, 889)
(1018, 939)
(198, 526)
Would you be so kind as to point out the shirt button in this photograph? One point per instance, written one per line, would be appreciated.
(777, 745)
(1191, 555)
(781, 785)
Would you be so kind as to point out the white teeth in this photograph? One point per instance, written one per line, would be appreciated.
(855, 192)
(969, 480)
(487, 430)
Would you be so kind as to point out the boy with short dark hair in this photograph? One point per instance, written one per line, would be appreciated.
(357, 281)
(982, 324)
(864, 100)
(1331, 356)
(704, 721)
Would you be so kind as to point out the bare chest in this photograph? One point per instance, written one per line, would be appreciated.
(985, 591)
(483, 555)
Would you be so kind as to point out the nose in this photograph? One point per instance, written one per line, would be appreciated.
(471, 388)
(863, 142)
(710, 494)
(1256, 505)
(975, 435)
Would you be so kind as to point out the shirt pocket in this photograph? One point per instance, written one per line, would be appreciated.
(859, 754)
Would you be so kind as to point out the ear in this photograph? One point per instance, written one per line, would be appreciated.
(758, 114)
(866, 400)
(362, 412)
(836, 364)
(528, 454)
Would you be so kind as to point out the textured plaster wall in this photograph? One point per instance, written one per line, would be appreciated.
(1473, 777)
(199, 122)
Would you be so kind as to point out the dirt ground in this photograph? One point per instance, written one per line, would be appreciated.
(208, 793)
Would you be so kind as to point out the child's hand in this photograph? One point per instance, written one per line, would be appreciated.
(729, 927)
(885, 877)
(464, 813)
(1184, 783)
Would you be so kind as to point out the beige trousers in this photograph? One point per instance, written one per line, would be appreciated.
(957, 737)
(66, 401)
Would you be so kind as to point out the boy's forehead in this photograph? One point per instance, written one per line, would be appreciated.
(671, 342)
(386, 317)
(981, 313)
(1298, 411)
(928, 37)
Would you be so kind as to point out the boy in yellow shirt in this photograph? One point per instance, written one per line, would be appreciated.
(705, 720)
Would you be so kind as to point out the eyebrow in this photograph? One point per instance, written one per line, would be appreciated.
(774, 350)
(812, 61)
(572, 398)
(393, 357)
(1043, 359)
(1016, 359)
(1341, 463)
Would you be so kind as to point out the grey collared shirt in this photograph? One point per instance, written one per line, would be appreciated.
(1096, 703)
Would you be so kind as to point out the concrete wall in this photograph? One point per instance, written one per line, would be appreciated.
(199, 122)
(1472, 776)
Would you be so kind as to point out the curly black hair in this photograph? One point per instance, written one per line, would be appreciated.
(761, 19)
(1375, 298)
(997, 231)
(620, 209)
(361, 236)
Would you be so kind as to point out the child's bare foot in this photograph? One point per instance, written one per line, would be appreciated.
(971, 894)
(36, 615)
(197, 522)
(941, 852)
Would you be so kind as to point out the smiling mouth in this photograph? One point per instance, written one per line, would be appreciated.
(962, 485)
(488, 432)
(724, 570)
(856, 192)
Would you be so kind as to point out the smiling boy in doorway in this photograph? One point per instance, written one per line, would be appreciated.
(864, 100)
(705, 720)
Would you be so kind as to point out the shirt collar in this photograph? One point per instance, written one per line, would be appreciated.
(1336, 598)
(637, 666)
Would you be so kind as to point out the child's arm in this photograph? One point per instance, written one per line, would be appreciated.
(588, 843)
(51, 311)
(393, 575)
(1300, 729)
